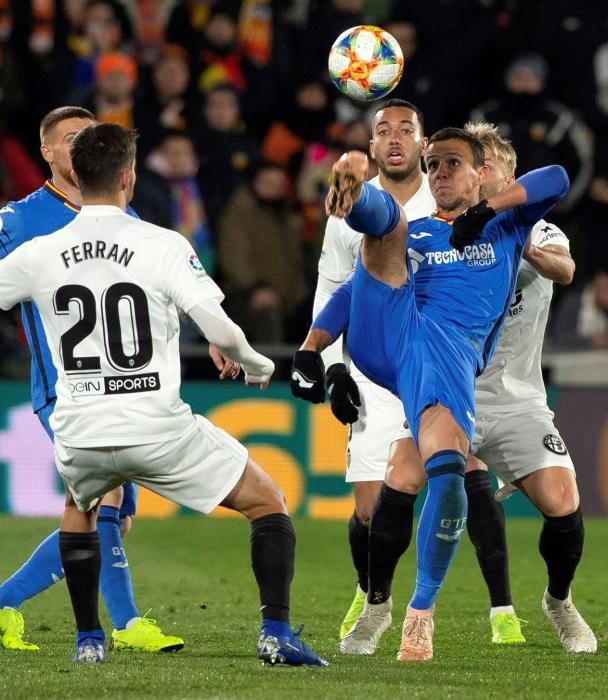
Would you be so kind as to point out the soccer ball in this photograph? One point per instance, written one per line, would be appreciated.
(365, 63)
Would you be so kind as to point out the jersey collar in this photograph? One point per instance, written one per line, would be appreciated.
(61, 196)
(439, 217)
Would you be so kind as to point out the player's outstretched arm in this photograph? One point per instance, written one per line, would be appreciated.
(230, 340)
(553, 262)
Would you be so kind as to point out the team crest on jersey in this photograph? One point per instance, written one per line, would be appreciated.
(555, 444)
(197, 267)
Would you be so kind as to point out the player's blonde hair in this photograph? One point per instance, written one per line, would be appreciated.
(501, 148)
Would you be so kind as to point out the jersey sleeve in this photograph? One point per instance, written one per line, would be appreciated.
(186, 280)
(335, 315)
(340, 248)
(544, 234)
(15, 279)
(11, 229)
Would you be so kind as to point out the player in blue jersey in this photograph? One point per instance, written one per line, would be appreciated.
(427, 337)
(48, 209)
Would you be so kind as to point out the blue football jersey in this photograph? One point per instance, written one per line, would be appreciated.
(44, 211)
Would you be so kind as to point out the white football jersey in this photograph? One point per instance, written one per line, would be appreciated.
(108, 288)
(339, 254)
(514, 376)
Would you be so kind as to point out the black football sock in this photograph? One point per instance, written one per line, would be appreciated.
(81, 563)
(390, 534)
(486, 527)
(273, 547)
(358, 538)
(561, 546)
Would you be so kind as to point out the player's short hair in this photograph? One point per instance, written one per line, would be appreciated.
(55, 116)
(397, 102)
(452, 132)
(500, 147)
(100, 153)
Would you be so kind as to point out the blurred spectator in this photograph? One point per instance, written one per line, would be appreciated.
(259, 250)
(111, 98)
(225, 148)
(165, 101)
(188, 19)
(19, 174)
(581, 317)
(307, 118)
(542, 130)
(168, 194)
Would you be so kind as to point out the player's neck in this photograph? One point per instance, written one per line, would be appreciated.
(402, 190)
(68, 188)
(107, 200)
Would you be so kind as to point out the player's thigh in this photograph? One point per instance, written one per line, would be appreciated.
(552, 490)
(405, 470)
(113, 498)
(380, 416)
(256, 494)
(88, 473)
(197, 470)
(522, 443)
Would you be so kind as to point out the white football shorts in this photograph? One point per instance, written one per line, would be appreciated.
(197, 470)
(516, 444)
(380, 416)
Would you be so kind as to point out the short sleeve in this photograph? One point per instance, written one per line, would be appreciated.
(11, 225)
(15, 277)
(544, 233)
(186, 280)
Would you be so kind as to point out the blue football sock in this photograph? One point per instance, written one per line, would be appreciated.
(115, 579)
(40, 571)
(441, 524)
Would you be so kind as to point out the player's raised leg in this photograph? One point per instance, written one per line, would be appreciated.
(554, 492)
(486, 528)
(273, 542)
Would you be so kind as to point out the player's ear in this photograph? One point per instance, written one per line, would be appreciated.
(371, 149)
(482, 174)
(74, 178)
(46, 154)
(424, 142)
(509, 180)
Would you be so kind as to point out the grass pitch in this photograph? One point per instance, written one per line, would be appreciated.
(194, 573)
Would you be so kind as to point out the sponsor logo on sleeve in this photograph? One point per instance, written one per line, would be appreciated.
(197, 267)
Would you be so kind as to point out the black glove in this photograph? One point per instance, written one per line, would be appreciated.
(307, 378)
(467, 227)
(343, 394)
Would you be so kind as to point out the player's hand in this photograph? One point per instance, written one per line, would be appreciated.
(259, 375)
(348, 174)
(467, 227)
(307, 378)
(228, 368)
(343, 394)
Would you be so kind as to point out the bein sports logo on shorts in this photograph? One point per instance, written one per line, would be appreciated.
(197, 267)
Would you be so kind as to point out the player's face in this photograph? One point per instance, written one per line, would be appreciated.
(56, 147)
(496, 178)
(453, 177)
(397, 142)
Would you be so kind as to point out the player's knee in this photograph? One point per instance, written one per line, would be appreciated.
(405, 471)
(475, 464)
(562, 499)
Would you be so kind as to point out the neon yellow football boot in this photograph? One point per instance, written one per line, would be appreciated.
(145, 635)
(506, 629)
(356, 608)
(12, 628)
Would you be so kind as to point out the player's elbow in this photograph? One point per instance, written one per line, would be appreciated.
(560, 180)
(566, 272)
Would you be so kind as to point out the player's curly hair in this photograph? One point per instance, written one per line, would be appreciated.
(397, 102)
(491, 139)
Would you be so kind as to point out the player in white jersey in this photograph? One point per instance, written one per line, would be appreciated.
(108, 288)
(397, 144)
(516, 437)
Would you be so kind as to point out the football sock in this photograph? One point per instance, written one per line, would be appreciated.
(561, 546)
(273, 546)
(441, 524)
(81, 562)
(115, 579)
(358, 538)
(486, 527)
(40, 571)
(390, 534)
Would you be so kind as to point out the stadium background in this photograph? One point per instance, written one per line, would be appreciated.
(226, 93)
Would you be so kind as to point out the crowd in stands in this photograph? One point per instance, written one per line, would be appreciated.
(238, 123)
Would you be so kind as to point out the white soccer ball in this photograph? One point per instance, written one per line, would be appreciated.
(365, 63)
